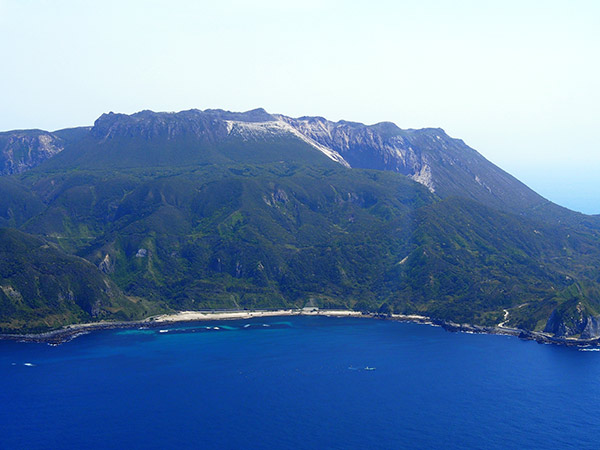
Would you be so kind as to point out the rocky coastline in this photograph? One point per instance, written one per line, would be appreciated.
(540, 337)
(70, 332)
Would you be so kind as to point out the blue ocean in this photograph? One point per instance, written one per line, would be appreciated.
(297, 382)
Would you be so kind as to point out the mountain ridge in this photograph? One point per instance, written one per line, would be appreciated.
(204, 209)
(382, 146)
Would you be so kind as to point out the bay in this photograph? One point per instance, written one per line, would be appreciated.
(297, 382)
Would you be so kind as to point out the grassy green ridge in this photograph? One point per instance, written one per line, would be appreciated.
(17, 203)
(124, 227)
(471, 262)
(248, 230)
(283, 234)
(43, 288)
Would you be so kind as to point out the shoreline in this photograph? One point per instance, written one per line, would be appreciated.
(70, 332)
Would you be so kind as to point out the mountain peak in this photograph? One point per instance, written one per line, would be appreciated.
(254, 115)
(445, 165)
(178, 205)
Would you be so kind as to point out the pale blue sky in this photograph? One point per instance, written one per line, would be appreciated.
(517, 80)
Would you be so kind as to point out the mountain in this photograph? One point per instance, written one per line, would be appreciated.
(42, 287)
(215, 209)
(17, 202)
(21, 150)
(444, 165)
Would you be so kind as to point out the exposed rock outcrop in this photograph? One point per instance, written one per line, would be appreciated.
(107, 265)
(23, 150)
(429, 156)
(573, 320)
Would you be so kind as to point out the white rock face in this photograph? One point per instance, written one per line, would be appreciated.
(424, 177)
(255, 130)
(47, 145)
(22, 150)
(106, 265)
(428, 156)
(356, 145)
(349, 144)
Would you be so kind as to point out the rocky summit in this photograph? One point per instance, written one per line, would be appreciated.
(218, 209)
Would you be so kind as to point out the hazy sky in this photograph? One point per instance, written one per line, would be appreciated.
(517, 80)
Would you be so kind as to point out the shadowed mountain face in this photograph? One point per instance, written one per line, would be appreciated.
(212, 209)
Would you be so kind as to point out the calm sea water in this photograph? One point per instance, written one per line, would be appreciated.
(302, 382)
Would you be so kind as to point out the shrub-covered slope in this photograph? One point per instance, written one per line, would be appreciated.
(232, 210)
(283, 235)
(42, 287)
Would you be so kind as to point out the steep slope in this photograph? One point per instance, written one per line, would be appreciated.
(194, 235)
(444, 165)
(25, 149)
(188, 138)
(469, 262)
(42, 288)
(17, 203)
(212, 209)
(22, 150)
(281, 235)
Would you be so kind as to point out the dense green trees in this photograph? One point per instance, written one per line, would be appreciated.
(120, 228)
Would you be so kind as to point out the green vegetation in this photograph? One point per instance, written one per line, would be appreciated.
(42, 288)
(133, 227)
(277, 235)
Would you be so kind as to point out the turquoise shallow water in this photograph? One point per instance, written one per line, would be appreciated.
(301, 382)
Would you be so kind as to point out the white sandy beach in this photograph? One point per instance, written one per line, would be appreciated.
(191, 316)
